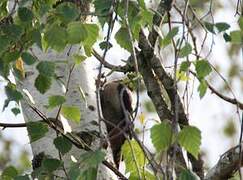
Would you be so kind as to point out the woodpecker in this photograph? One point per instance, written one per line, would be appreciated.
(116, 104)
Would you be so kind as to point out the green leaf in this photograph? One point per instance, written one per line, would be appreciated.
(35, 37)
(88, 50)
(187, 175)
(71, 113)
(25, 14)
(102, 8)
(149, 175)
(3, 8)
(62, 144)
(202, 88)
(227, 37)
(46, 68)
(76, 32)
(147, 17)
(42, 83)
(182, 76)
(67, 12)
(93, 33)
(142, 4)
(221, 26)
(122, 38)
(240, 22)
(203, 68)
(4, 43)
(36, 130)
(12, 93)
(185, 66)
(190, 138)
(236, 37)
(185, 51)
(28, 58)
(54, 101)
(174, 31)
(16, 111)
(161, 135)
(79, 58)
(134, 13)
(56, 38)
(4, 69)
(210, 27)
(12, 31)
(74, 171)
(11, 56)
(167, 39)
(89, 174)
(136, 27)
(92, 158)
(24, 177)
(51, 164)
(105, 45)
(10, 172)
(129, 154)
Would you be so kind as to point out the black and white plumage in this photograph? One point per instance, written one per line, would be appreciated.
(116, 104)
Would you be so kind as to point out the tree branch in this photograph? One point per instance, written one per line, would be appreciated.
(165, 79)
(152, 71)
(227, 165)
(7, 125)
(154, 90)
(164, 6)
(19, 125)
(75, 140)
(125, 68)
(225, 98)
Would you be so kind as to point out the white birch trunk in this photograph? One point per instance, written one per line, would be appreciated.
(82, 77)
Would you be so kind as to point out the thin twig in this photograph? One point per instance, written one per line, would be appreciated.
(134, 56)
(75, 140)
(126, 68)
(67, 88)
(225, 98)
(98, 81)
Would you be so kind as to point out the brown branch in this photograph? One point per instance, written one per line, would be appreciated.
(153, 74)
(227, 165)
(168, 84)
(154, 89)
(165, 79)
(164, 6)
(115, 170)
(127, 68)
(225, 98)
(8, 125)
